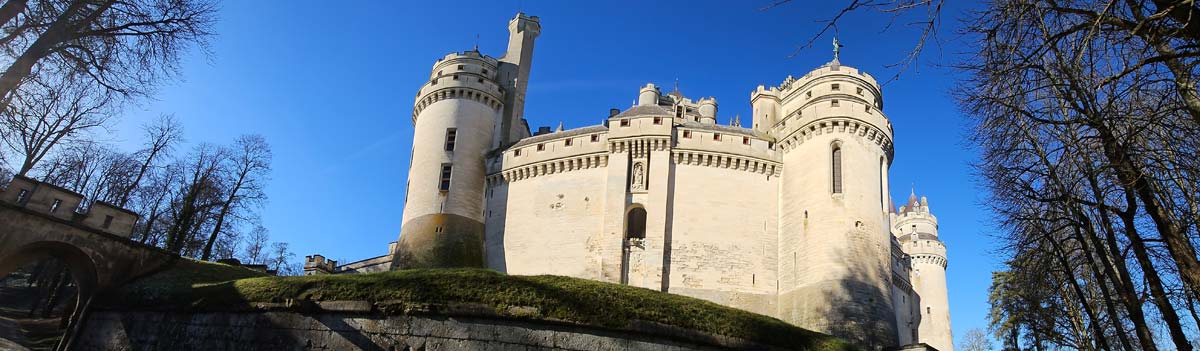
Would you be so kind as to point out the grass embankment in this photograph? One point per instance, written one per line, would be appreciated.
(197, 286)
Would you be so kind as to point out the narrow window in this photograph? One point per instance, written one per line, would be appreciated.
(485, 72)
(679, 112)
(517, 152)
(687, 134)
(439, 73)
(635, 224)
(541, 147)
(481, 79)
(657, 120)
(859, 91)
(717, 136)
(595, 137)
(867, 108)
(444, 185)
(433, 81)
(928, 310)
(625, 123)
(568, 142)
(745, 140)
(54, 207)
(808, 94)
(834, 103)
(451, 134)
(107, 222)
(837, 87)
(22, 196)
(771, 145)
(460, 67)
(455, 77)
(836, 166)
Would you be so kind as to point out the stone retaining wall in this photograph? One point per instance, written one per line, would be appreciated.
(121, 330)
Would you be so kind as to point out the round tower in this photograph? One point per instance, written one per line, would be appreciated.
(648, 95)
(708, 110)
(835, 239)
(917, 231)
(454, 120)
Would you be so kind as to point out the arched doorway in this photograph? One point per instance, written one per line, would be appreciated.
(633, 246)
(42, 288)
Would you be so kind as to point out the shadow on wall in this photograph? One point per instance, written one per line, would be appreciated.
(851, 307)
(496, 257)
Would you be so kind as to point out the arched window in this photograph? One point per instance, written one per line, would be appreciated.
(635, 224)
(836, 167)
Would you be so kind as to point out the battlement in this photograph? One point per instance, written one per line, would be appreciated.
(54, 201)
(317, 264)
(831, 68)
(473, 55)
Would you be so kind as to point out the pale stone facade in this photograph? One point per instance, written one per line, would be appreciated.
(788, 217)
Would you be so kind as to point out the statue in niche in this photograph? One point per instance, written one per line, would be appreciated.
(639, 179)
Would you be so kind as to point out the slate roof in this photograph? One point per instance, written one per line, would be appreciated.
(563, 134)
(644, 110)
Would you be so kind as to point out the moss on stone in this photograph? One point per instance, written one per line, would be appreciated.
(535, 297)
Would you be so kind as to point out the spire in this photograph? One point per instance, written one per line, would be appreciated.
(912, 201)
(559, 129)
(736, 121)
(891, 205)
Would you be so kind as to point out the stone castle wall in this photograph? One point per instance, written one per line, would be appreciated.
(112, 330)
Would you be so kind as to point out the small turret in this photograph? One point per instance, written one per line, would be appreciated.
(317, 264)
(648, 95)
(766, 108)
(708, 110)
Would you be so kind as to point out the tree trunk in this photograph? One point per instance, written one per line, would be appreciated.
(1132, 178)
(1157, 293)
(212, 238)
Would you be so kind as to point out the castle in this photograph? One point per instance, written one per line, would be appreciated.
(788, 216)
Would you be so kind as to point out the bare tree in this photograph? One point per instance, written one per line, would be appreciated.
(1082, 122)
(255, 250)
(124, 46)
(975, 340)
(161, 137)
(282, 259)
(48, 114)
(195, 194)
(248, 165)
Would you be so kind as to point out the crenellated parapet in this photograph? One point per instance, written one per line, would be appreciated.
(66, 205)
(812, 84)
(467, 75)
(317, 264)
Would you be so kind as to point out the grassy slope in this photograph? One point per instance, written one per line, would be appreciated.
(213, 287)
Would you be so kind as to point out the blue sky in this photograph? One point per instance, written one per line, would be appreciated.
(331, 88)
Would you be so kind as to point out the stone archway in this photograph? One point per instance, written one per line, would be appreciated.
(65, 279)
